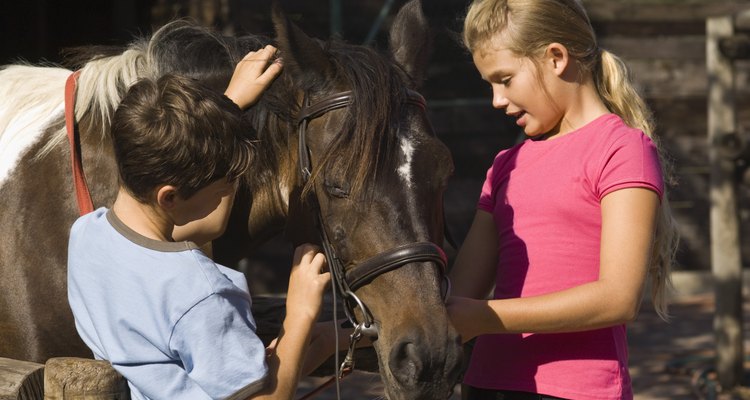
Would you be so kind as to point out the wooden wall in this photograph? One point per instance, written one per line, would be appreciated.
(664, 42)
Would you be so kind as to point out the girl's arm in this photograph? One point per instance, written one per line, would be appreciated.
(473, 272)
(628, 224)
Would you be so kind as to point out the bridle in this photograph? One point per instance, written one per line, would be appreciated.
(347, 282)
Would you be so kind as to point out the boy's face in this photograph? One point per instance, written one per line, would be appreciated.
(202, 203)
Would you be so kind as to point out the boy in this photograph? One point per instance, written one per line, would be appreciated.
(171, 321)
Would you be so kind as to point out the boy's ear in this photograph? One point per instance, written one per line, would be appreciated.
(166, 197)
(558, 58)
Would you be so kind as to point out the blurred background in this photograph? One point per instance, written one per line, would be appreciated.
(663, 41)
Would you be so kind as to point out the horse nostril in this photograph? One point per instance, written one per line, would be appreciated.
(406, 363)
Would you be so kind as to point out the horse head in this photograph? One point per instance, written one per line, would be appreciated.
(367, 174)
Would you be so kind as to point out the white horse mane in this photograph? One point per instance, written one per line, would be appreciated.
(100, 88)
(37, 92)
(33, 97)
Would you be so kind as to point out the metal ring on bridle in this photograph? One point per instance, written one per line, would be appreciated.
(368, 325)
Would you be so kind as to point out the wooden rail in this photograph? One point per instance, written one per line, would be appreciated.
(21, 380)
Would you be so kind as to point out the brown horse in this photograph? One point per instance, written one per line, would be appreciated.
(375, 183)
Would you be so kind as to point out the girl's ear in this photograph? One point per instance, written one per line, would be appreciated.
(166, 197)
(557, 57)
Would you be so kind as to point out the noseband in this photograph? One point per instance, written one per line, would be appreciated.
(347, 282)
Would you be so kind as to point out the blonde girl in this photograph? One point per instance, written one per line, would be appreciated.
(570, 223)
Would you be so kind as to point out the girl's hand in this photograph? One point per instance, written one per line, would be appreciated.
(252, 75)
(466, 314)
(306, 283)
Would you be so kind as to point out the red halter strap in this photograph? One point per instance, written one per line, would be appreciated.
(83, 196)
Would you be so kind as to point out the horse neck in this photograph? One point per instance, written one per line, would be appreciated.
(273, 178)
(268, 211)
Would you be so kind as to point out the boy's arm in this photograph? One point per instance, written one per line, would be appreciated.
(304, 300)
(252, 76)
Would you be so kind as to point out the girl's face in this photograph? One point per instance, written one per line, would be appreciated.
(516, 87)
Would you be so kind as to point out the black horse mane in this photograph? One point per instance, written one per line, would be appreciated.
(364, 143)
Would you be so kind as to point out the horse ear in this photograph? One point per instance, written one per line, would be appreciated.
(303, 57)
(411, 40)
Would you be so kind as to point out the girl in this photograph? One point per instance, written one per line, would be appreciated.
(570, 222)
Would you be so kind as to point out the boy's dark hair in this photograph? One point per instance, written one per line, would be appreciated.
(174, 131)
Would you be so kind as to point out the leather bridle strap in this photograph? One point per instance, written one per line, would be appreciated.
(393, 259)
(308, 112)
(333, 102)
(83, 196)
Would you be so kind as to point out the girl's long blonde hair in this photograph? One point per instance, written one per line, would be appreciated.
(528, 26)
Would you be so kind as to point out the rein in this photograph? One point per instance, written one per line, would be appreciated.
(83, 196)
(347, 282)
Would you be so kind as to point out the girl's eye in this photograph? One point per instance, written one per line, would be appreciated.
(505, 82)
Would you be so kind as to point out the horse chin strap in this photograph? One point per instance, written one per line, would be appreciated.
(347, 282)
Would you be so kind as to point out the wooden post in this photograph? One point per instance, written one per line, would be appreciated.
(68, 378)
(21, 380)
(725, 245)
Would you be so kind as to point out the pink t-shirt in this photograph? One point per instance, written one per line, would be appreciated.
(545, 199)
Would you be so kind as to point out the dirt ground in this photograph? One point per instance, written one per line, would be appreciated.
(668, 361)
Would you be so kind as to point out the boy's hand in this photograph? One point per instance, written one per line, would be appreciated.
(306, 283)
(252, 75)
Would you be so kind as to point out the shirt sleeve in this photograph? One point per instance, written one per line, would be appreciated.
(219, 348)
(488, 197)
(632, 161)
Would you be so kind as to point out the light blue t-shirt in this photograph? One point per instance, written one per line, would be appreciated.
(175, 324)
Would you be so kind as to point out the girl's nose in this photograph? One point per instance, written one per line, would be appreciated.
(499, 100)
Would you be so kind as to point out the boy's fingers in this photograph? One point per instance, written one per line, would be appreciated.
(273, 69)
(267, 49)
(305, 253)
(260, 59)
(320, 259)
(325, 277)
(269, 75)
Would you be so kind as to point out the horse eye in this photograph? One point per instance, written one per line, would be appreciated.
(336, 190)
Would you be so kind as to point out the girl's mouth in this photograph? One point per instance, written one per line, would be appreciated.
(520, 120)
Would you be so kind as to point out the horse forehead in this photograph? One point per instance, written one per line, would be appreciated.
(413, 148)
(407, 145)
